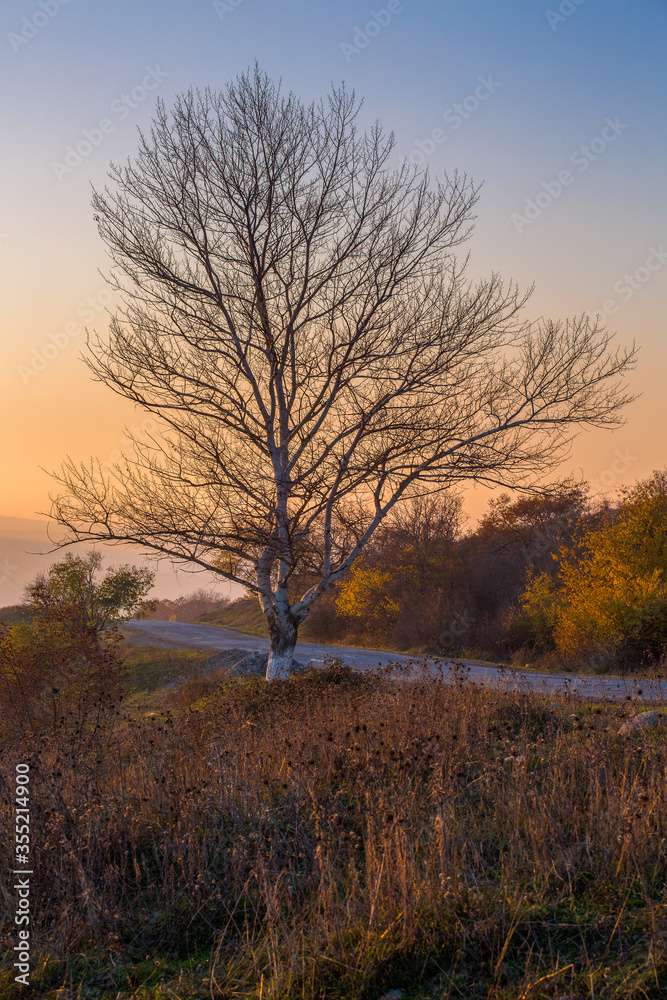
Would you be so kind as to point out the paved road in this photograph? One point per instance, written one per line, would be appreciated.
(183, 635)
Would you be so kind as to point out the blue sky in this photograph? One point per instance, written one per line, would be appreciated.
(549, 78)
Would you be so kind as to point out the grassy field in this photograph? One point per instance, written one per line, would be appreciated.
(338, 835)
(152, 671)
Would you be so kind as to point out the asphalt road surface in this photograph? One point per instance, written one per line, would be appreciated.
(183, 635)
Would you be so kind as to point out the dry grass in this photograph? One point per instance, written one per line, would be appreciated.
(336, 835)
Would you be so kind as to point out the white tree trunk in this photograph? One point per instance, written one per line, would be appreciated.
(279, 666)
(284, 631)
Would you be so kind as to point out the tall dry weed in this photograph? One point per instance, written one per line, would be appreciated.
(335, 835)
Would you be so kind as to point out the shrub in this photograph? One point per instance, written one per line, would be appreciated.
(60, 671)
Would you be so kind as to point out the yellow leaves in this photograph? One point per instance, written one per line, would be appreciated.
(539, 606)
(227, 562)
(612, 593)
(366, 595)
(617, 590)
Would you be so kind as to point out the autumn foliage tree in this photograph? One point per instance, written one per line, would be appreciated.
(425, 583)
(399, 592)
(609, 597)
(517, 539)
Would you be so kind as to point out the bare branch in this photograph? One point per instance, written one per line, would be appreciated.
(295, 317)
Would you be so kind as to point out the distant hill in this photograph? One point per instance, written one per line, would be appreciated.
(244, 614)
(189, 607)
(14, 614)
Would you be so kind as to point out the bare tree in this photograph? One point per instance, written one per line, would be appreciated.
(294, 313)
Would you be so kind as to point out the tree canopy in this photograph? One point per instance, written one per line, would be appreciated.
(609, 595)
(295, 316)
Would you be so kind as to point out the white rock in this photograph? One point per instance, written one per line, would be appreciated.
(644, 720)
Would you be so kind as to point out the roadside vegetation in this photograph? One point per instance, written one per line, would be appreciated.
(152, 674)
(335, 836)
(189, 607)
(244, 614)
(557, 580)
(338, 835)
(61, 671)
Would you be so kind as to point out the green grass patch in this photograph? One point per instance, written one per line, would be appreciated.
(151, 667)
(244, 615)
(152, 670)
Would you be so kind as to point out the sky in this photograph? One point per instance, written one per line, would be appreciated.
(557, 109)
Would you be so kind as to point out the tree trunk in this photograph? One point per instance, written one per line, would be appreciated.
(284, 631)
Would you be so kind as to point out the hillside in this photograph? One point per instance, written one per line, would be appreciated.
(245, 615)
(13, 614)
